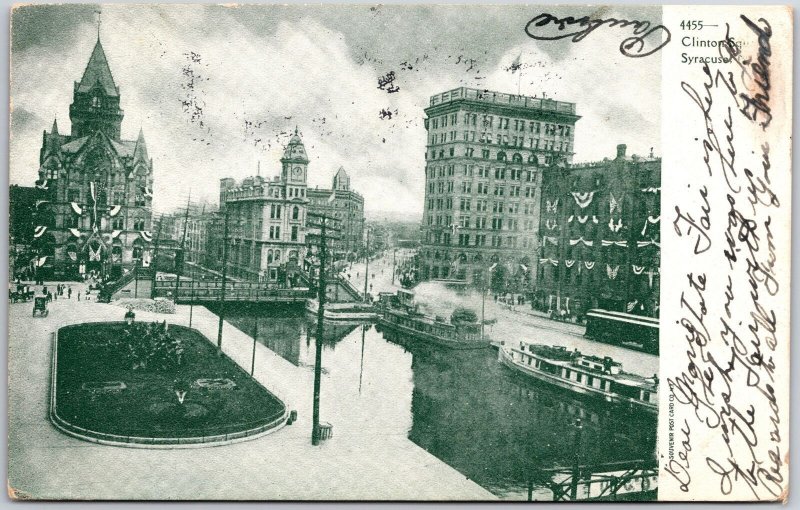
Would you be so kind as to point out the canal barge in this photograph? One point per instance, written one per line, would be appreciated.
(582, 374)
(399, 313)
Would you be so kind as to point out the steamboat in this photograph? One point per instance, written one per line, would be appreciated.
(593, 376)
(400, 313)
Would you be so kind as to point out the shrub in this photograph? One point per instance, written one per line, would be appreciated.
(463, 315)
(150, 346)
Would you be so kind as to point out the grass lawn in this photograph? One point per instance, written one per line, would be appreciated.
(89, 395)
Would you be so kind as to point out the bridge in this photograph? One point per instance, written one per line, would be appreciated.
(193, 291)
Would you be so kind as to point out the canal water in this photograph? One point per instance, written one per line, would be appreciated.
(493, 425)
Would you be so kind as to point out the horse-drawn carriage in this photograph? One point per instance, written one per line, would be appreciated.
(24, 293)
(40, 305)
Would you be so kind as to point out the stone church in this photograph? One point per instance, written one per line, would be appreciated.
(93, 209)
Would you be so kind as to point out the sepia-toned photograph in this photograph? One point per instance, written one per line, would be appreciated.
(342, 252)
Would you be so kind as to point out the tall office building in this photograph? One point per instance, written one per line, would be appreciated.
(484, 160)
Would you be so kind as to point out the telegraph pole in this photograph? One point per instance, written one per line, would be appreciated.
(366, 272)
(153, 261)
(178, 270)
(394, 264)
(321, 296)
(224, 278)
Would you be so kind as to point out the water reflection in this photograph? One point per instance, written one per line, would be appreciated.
(493, 425)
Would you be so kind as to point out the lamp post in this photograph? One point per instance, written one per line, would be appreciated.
(136, 278)
(483, 300)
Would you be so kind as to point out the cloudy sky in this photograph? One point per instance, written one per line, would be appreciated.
(256, 72)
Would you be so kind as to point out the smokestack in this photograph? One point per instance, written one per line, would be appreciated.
(621, 148)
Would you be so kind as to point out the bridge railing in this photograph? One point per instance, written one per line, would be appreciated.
(234, 291)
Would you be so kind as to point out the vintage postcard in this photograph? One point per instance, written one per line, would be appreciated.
(386, 252)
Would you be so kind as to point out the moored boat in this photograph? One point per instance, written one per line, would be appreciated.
(343, 311)
(587, 375)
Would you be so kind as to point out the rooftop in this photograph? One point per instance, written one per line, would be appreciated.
(489, 96)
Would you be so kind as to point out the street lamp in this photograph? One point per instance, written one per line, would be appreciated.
(483, 300)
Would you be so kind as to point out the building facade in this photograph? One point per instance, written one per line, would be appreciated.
(347, 206)
(600, 243)
(266, 220)
(94, 189)
(485, 156)
(190, 231)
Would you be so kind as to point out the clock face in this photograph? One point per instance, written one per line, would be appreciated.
(297, 171)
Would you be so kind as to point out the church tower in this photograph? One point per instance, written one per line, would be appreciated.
(95, 103)
(95, 190)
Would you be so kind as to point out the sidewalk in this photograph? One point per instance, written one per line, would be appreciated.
(354, 464)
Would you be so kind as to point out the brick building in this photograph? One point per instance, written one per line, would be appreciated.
(599, 237)
(346, 205)
(94, 188)
(484, 161)
(266, 220)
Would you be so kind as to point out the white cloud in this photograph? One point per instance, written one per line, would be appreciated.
(298, 70)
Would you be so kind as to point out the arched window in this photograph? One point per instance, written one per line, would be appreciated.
(532, 159)
(516, 158)
(501, 156)
(296, 213)
(269, 256)
(277, 256)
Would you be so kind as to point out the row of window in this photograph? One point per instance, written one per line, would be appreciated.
(466, 205)
(514, 174)
(118, 198)
(482, 188)
(117, 223)
(272, 191)
(505, 123)
(480, 240)
(533, 159)
(497, 223)
(500, 139)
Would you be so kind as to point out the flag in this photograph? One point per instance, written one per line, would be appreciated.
(332, 197)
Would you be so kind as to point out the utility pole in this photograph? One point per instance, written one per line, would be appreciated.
(366, 272)
(394, 264)
(153, 261)
(178, 270)
(255, 336)
(224, 278)
(321, 295)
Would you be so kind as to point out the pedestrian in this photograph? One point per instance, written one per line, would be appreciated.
(79, 295)
(69, 292)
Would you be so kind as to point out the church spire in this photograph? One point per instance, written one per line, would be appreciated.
(97, 71)
(54, 130)
(140, 151)
(95, 101)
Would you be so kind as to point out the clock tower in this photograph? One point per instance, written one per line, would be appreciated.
(295, 162)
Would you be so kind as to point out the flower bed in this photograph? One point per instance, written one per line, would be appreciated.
(154, 396)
